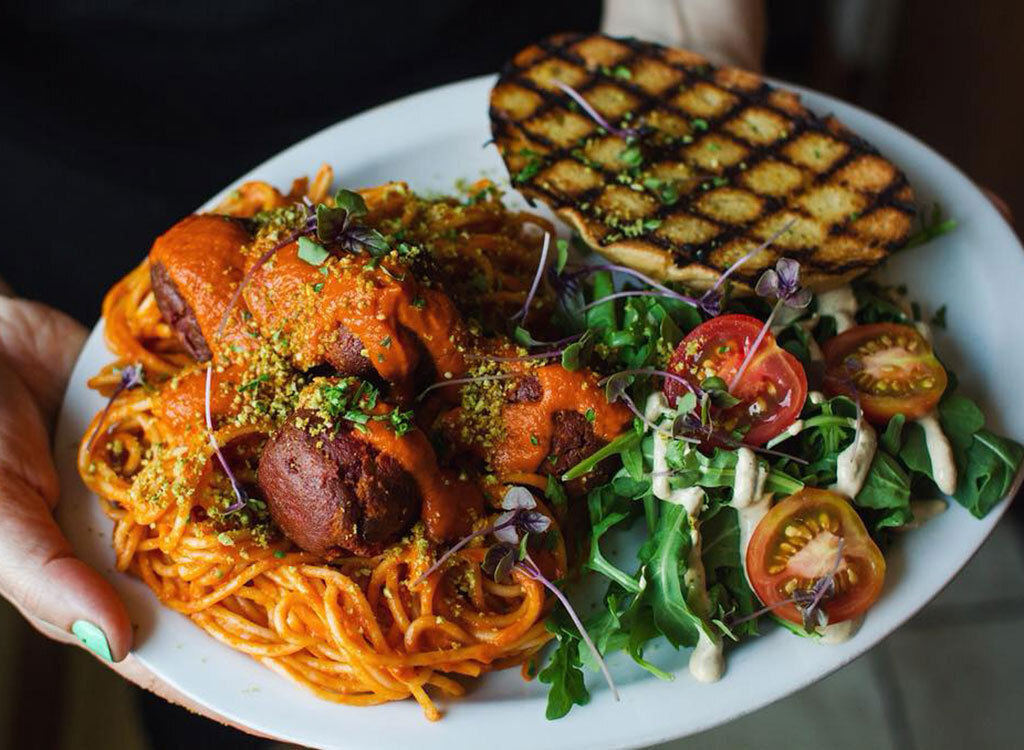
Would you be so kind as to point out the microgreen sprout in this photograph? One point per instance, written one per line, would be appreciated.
(656, 373)
(808, 601)
(519, 518)
(783, 283)
(522, 358)
(615, 390)
(571, 282)
(336, 226)
(131, 377)
(576, 96)
(531, 570)
(711, 301)
(541, 265)
(462, 381)
(513, 529)
(240, 498)
(260, 262)
(523, 338)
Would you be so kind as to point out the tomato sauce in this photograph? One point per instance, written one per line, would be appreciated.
(529, 425)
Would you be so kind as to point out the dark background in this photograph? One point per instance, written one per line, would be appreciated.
(117, 119)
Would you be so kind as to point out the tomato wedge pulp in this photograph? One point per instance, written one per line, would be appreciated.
(771, 391)
(797, 544)
(889, 367)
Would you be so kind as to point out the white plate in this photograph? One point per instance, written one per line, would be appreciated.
(430, 140)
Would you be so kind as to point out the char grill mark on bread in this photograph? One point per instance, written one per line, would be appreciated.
(727, 161)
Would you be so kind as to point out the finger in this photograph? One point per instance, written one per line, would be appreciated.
(41, 345)
(38, 571)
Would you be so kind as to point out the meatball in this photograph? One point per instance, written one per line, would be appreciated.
(330, 491)
(178, 313)
(345, 354)
(573, 440)
(195, 267)
(525, 389)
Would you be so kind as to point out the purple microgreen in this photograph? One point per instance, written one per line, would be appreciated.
(462, 381)
(260, 262)
(711, 301)
(576, 96)
(499, 561)
(239, 495)
(657, 373)
(809, 600)
(523, 358)
(541, 265)
(665, 291)
(577, 354)
(523, 338)
(782, 282)
(621, 295)
(531, 570)
(718, 390)
(615, 390)
(131, 377)
(688, 424)
(519, 518)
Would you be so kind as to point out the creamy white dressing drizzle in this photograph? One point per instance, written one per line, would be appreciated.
(816, 397)
(925, 330)
(792, 431)
(940, 453)
(749, 498)
(841, 304)
(924, 511)
(854, 462)
(838, 632)
(707, 662)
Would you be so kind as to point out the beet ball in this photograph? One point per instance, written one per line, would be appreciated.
(332, 492)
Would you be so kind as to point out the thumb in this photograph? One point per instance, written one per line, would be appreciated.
(39, 573)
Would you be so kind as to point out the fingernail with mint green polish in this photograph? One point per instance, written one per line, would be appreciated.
(92, 638)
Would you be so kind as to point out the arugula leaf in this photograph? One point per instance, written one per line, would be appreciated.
(565, 677)
(633, 462)
(601, 520)
(934, 226)
(556, 494)
(886, 488)
(562, 248)
(623, 442)
(672, 613)
(577, 354)
(892, 438)
(602, 316)
(992, 465)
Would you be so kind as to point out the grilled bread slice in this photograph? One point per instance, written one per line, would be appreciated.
(718, 163)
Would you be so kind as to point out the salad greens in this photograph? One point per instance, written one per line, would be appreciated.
(650, 596)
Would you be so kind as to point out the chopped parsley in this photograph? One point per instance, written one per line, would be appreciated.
(312, 252)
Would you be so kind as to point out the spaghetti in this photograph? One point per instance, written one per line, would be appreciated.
(358, 630)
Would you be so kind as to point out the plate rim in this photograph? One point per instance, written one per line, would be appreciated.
(636, 734)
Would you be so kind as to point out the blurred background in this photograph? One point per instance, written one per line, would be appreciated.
(149, 149)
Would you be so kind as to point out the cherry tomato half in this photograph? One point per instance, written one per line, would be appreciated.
(796, 544)
(772, 389)
(889, 367)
